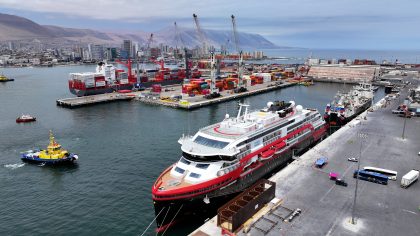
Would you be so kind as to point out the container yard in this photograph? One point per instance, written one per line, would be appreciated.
(174, 98)
(321, 201)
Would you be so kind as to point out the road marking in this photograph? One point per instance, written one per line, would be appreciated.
(412, 212)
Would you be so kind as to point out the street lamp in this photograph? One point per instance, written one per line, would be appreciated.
(405, 120)
(361, 137)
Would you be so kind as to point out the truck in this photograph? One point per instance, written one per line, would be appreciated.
(409, 178)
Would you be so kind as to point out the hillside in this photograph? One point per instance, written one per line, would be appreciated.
(19, 28)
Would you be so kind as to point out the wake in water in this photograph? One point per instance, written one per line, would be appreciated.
(14, 166)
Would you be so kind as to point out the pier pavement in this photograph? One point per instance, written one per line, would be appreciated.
(377, 139)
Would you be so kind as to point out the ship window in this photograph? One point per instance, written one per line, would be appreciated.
(179, 170)
(214, 158)
(202, 166)
(210, 142)
(185, 161)
(195, 175)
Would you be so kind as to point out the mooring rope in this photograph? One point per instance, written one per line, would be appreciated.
(172, 220)
(163, 221)
(152, 222)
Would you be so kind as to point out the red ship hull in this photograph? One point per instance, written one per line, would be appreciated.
(19, 120)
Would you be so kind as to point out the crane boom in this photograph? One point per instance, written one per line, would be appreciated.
(178, 37)
(200, 34)
(239, 51)
(235, 34)
(149, 42)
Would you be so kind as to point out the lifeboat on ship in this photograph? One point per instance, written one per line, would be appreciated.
(268, 154)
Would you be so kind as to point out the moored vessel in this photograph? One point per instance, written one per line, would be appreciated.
(108, 79)
(25, 119)
(346, 106)
(223, 159)
(54, 155)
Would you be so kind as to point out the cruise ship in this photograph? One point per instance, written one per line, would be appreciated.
(225, 158)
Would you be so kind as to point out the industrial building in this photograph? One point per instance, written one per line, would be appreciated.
(351, 73)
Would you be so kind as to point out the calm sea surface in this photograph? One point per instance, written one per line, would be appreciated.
(123, 147)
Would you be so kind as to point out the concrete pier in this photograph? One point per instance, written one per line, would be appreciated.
(94, 99)
(376, 139)
(200, 101)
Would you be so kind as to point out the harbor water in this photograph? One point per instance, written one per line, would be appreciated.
(122, 148)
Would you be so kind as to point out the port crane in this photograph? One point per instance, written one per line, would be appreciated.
(214, 61)
(241, 87)
(178, 37)
(200, 35)
(214, 91)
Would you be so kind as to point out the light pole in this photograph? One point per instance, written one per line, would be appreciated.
(405, 120)
(361, 137)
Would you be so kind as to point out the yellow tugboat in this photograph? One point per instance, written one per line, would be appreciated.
(3, 78)
(54, 155)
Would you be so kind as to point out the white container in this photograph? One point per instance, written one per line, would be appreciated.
(409, 178)
(89, 84)
(124, 81)
(266, 77)
(122, 76)
(100, 83)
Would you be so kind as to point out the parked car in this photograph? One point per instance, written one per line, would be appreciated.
(353, 159)
(397, 112)
(340, 182)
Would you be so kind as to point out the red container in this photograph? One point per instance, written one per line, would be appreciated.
(157, 88)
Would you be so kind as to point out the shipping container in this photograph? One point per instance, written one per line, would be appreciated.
(124, 81)
(100, 83)
(237, 211)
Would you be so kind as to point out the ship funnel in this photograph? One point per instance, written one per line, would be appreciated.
(299, 108)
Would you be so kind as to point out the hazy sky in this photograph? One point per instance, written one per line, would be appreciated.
(348, 24)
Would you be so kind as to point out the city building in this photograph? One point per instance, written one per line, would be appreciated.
(355, 73)
(128, 47)
(97, 52)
